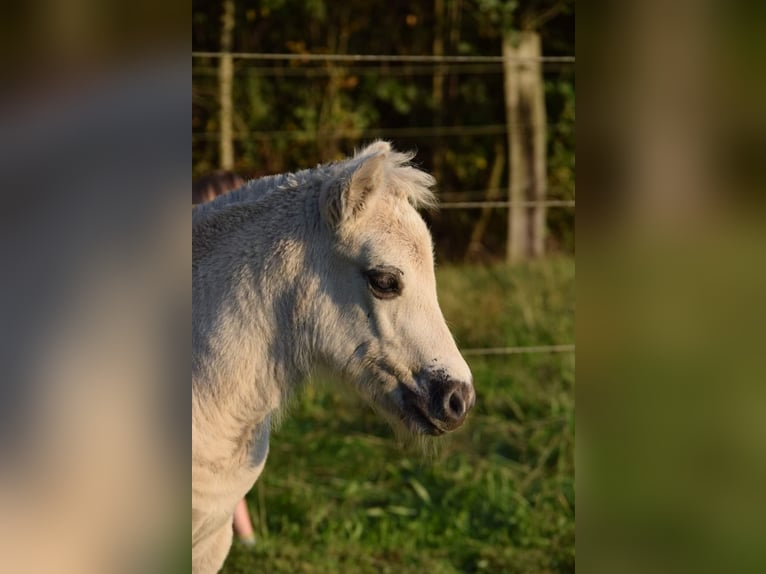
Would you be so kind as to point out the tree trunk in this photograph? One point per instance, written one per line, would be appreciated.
(225, 84)
(525, 114)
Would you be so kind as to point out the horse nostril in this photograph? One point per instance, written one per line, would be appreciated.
(456, 405)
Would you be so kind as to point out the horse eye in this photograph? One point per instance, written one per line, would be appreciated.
(384, 285)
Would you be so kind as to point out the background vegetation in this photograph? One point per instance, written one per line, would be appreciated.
(294, 114)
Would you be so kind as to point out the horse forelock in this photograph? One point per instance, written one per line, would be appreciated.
(402, 176)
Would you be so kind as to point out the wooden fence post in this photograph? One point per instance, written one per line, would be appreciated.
(532, 91)
(526, 118)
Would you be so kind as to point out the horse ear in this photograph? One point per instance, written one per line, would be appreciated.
(345, 198)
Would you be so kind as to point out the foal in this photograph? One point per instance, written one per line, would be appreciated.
(329, 266)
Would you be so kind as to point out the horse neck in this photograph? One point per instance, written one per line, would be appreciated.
(253, 294)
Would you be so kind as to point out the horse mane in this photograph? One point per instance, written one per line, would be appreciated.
(401, 175)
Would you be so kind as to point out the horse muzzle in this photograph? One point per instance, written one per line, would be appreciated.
(440, 405)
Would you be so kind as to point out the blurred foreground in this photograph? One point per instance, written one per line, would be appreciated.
(95, 257)
(671, 282)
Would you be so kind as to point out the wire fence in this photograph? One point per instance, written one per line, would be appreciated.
(253, 69)
(487, 64)
(505, 204)
(370, 133)
(532, 349)
(426, 58)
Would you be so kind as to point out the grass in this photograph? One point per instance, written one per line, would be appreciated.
(339, 495)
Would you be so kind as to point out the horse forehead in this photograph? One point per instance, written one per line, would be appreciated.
(404, 231)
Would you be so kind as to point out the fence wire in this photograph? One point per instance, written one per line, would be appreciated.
(501, 204)
(382, 58)
(422, 131)
(519, 350)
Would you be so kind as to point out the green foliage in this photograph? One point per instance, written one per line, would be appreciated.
(561, 160)
(499, 12)
(400, 96)
(339, 495)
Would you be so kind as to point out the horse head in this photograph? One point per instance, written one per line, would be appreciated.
(379, 320)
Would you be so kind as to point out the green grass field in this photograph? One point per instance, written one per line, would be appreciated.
(339, 495)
